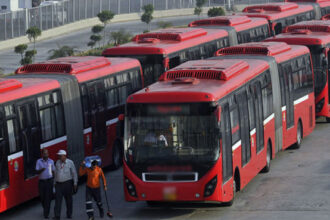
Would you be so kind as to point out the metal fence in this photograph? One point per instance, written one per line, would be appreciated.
(14, 24)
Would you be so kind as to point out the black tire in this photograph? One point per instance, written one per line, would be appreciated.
(299, 136)
(269, 158)
(328, 119)
(231, 202)
(117, 155)
(152, 203)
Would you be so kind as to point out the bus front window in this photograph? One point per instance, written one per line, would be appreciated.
(170, 134)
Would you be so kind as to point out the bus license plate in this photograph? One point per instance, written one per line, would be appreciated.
(169, 193)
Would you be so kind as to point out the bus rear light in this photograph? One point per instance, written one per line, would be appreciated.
(210, 186)
(130, 187)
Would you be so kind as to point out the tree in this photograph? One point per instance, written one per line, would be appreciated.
(20, 49)
(215, 12)
(33, 33)
(91, 44)
(63, 51)
(96, 38)
(120, 37)
(97, 29)
(147, 15)
(199, 7)
(105, 17)
(28, 58)
(164, 24)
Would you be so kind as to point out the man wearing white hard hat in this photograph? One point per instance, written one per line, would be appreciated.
(66, 180)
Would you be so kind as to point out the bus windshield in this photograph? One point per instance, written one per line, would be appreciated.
(171, 134)
(320, 72)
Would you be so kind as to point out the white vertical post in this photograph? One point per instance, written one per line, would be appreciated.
(141, 4)
(85, 9)
(40, 18)
(129, 6)
(166, 4)
(118, 6)
(5, 15)
(12, 24)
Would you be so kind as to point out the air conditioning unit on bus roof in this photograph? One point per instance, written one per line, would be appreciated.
(173, 34)
(206, 69)
(279, 7)
(230, 20)
(67, 65)
(259, 48)
(313, 26)
(9, 84)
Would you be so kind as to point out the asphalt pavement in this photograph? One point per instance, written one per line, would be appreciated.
(296, 188)
(9, 60)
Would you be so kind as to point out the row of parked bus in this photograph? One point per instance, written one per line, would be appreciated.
(209, 148)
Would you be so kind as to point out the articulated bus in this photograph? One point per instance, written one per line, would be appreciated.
(280, 15)
(316, 36)
(208, 127)
(293, 67)
(326, 17)
(70, 103)
(241, 29)
(167, 48)
(322, 7)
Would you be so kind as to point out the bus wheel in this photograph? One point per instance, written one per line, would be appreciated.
(117, 155)
(269, 157)
(231, 202)
(299, 136)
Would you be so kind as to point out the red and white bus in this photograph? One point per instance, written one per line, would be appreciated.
(316, 36)
(326, 17)
(164, 49)
(208, 127)
(293, 66)
(70, 103)
(281, 14)
(322, 7)
(241, 29)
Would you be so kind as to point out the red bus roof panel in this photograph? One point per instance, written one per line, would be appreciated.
(230, 20)
(206, 69)
(68, 65)
(9, 84)
(259, 48)
(313, 1)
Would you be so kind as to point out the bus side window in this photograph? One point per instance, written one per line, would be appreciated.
(135, 80)
(111, 93)
(13, 129)
(267, 96)
(85, 106)
(51, 116)
(252, 114)
(4, 176)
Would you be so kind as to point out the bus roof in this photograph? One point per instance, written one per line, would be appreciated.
(277, 10)
(200, 81)
(83, 68)
(279, 50)
(13, 89)
(166, 41)
(306, 33)
(239, 22)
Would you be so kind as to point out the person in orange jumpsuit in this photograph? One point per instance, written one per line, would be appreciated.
(93, 187)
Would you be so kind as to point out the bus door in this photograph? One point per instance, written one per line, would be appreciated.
(288, 88)
(227, 160)
(96, 93)
(29, 132)
(4, 149)
(256, 90)
(327, 53)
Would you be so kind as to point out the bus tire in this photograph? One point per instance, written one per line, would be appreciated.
(299, 135)
(236, 188)
(117, 155)
(269, 158)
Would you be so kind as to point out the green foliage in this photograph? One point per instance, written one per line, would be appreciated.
(91, 44)
(30, 53)
(147, 17)
(199, 7)
(33, 33)
(120, 37)
(146, 31)
(105, 16)
(97, 29)
(164, 24)
(20, 49)
(63, 51)
(26, 60)
(95, 51)
(216, 12)
(95, 37)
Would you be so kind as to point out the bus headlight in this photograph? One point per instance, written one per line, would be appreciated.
(130, 187)
(210, 186)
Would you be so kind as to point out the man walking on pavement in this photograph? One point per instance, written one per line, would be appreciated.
(46, 169)
(93, 190)
(66, 181)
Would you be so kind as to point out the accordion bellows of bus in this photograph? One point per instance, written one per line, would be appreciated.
(71, 103)
(209, 126)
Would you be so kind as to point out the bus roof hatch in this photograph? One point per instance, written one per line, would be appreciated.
(259, 48)
(230, 20)
(68, 65)
(206, 69)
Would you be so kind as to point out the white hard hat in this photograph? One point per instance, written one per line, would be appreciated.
(61, 152)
